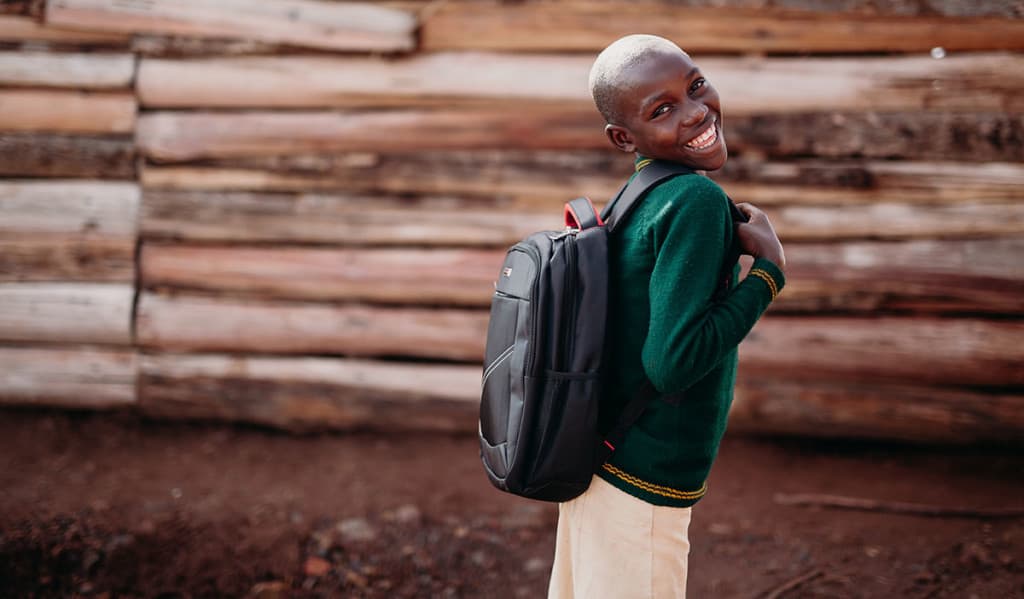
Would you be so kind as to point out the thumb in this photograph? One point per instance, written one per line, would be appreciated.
(749, 210)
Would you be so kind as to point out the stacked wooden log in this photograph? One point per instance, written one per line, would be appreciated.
(324, 192)
(69, 210)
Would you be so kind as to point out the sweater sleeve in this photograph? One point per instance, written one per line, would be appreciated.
(689, 334)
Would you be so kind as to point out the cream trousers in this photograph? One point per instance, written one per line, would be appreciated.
(611, 545)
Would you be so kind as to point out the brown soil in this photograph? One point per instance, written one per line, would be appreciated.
(111, 506)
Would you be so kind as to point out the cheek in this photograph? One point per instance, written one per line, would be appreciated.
(666, 134)
(713, 101)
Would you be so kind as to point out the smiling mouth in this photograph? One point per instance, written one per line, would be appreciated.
(705, 139)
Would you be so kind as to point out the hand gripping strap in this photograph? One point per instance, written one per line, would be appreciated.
(580, 214)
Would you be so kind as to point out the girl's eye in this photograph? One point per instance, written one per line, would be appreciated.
(698, 84)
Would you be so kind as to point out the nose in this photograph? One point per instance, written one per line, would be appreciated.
(694, 114)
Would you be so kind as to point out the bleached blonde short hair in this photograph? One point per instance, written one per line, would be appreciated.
(607, 73)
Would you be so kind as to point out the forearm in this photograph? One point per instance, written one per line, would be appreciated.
(677, 356)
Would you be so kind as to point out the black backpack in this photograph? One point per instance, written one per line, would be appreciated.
(544, 363)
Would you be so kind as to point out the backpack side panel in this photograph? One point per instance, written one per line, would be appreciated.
(510, 334)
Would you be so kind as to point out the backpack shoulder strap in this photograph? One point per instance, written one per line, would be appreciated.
(629, 196)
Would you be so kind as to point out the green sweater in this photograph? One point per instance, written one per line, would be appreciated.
(666, 263)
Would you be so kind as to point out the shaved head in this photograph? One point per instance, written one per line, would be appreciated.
(608, 75)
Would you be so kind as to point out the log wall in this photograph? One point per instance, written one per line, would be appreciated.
(292, 214)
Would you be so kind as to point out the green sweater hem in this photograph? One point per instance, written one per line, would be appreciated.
(648, 491)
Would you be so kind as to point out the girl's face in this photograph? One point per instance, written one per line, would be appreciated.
(670, 112)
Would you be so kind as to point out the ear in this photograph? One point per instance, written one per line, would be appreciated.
(620, 137)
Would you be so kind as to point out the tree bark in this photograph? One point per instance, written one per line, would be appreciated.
(61, 155)
(974, 137)
(54, 257)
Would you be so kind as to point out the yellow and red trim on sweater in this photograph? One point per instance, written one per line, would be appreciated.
(653, 488)
(641, 163)
(769, 280)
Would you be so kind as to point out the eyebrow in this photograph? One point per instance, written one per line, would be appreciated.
(646, 104)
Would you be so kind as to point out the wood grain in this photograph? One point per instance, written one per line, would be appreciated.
(385, 275)
(925, 351)
(546, 179)
(333, 218)
(312, 218)
(66, 111)
(867, 410)
(68, 377)
(69, 258)
(303, 394)
(98, 208)
(15, 28)
(93, 71)
(179, 136)
(311, 23)
(97, 313)
(897, 221)
(937, 136)
(183, 323)
(975, 137)
(311, 393)
(982, 276)
(981, 82)
(68, 231)
(590, 26)
(65, 155)
(927, 276)
(922, 351)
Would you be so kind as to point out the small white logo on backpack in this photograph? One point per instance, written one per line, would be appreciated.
(507, 272)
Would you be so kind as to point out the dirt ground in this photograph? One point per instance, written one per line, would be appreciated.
(97, 505)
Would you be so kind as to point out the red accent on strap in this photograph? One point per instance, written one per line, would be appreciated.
(571, 218)
(610, 446)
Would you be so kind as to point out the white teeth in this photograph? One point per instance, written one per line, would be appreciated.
(704, 140)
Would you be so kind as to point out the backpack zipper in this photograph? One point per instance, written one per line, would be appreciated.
(531, 355)
(569, 302)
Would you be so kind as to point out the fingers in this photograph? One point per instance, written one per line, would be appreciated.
(750, 210)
